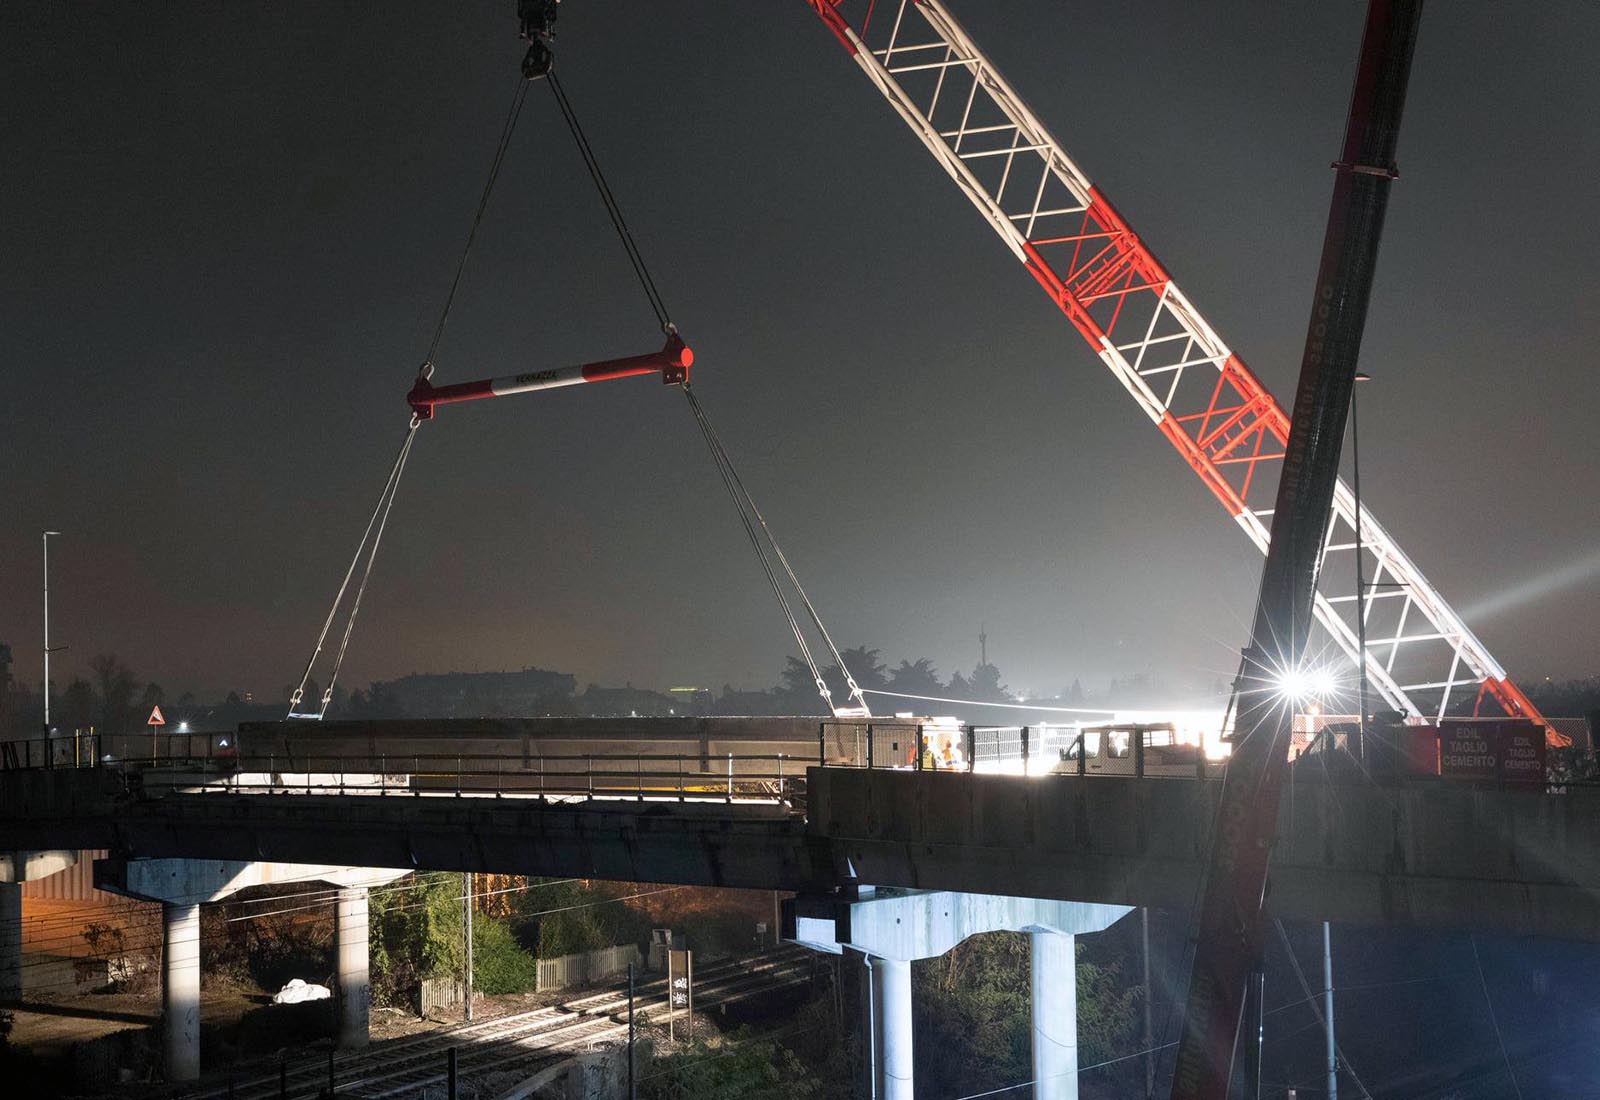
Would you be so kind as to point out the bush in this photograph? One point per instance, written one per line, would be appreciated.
(973, 1009)
(499, 964)
(567, 918)
(417, 933)
(735, 1070)
(413, 934)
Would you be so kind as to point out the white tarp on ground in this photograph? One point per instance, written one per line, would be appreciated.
(298, 992)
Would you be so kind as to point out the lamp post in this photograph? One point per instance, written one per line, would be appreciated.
(1361, 580)
(47, 649)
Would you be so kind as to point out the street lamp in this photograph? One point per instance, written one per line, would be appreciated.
(1361, 580)
(47, 649)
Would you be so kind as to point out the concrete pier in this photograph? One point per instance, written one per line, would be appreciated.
(1054, 974)
(10, 942)
(180, 990)
(355, 991)
(181, 885)
(892, 1044)
(893, 927)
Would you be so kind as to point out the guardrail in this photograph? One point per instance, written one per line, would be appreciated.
(772, 777)
(1042, 749)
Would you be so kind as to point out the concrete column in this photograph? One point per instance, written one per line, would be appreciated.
(1055, 1016)
(180, 990)
(892, 1030)
(355, 993)
(10, 942)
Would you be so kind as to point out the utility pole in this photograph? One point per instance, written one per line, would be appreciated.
(633, 1088)
(466, 970)
(1327, 1010)
(1361, 580)
(983, 643)
(1149, 1033)
(47, 650)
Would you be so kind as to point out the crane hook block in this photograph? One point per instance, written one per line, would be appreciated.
(538, 21)
(672, 362)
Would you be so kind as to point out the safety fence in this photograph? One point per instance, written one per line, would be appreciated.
(773, 778)
(1155, 750)
(435, 994)
(565, 971)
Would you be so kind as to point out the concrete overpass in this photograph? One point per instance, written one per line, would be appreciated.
(1424, 852)
(894, 863)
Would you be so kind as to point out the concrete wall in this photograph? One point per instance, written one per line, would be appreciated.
(1430, 853)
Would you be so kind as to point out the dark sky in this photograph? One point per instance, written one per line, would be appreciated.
(227, 230)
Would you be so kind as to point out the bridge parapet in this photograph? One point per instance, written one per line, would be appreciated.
(1432, 853)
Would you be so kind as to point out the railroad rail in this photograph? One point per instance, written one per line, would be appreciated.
(520, 1042)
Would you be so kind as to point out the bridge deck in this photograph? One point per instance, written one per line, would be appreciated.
(1429, 853)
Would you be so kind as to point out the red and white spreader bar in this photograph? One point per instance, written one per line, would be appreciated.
(672, 362)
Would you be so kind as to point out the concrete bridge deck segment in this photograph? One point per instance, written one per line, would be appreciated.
(1430, 853)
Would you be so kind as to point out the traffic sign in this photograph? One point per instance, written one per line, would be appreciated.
(155, 718)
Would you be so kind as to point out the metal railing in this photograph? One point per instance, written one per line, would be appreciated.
(213, 767)
(59, 749)
(1041, 749)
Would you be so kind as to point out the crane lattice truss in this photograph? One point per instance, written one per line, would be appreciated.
(1420, 655)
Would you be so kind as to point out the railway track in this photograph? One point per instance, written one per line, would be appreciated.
(520, 1042)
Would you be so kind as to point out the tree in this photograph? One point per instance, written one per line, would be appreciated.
(864, 666)
(973, 1008)
(797, 691)
(987, 687)
(78, 704)
(917, 677)
(153, 697)
(959, 687)
(116, 684)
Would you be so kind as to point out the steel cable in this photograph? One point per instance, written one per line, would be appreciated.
(504, 143)
(613, 209)
(743, 499)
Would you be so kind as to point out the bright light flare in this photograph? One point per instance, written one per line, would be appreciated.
(1307, 684)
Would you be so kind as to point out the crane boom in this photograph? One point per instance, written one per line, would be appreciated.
(1215, 412)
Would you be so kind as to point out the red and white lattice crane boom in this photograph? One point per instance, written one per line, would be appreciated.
(1224, 423)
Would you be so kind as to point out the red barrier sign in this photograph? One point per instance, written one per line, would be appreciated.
(1469, 750)
(1522, 749)
(1507, 749)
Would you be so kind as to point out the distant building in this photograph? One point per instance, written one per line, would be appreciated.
(629, 701)
(528, 693)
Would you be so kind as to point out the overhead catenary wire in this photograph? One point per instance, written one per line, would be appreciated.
(1494, 1019)
(1305, 987)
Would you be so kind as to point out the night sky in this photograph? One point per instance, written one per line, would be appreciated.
(227, 231)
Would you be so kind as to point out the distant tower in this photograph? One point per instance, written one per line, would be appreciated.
(983, 643)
